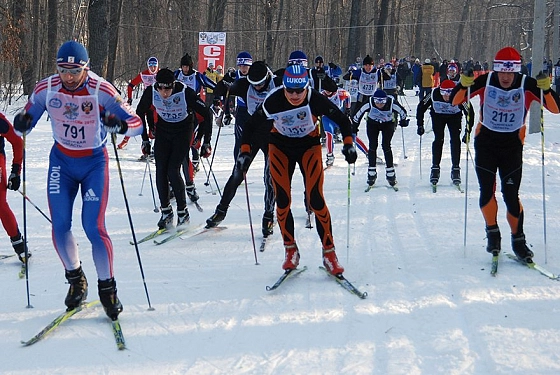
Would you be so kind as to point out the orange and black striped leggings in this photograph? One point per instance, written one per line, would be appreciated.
(282, 165)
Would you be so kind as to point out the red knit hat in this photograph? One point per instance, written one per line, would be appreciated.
(447, 84)
(507, 60)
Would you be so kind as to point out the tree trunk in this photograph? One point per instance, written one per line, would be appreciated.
(354, 44)
(461, 29)
(98, 40)
(115, 7)
(380, 29)
(52, 33)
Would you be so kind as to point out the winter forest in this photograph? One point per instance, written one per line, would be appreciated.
(122, 34)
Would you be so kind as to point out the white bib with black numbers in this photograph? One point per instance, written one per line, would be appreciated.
(385, 114)
(189, 81)
(294, 123)
(172, 109)
(390, 84)
(443, 107)
(367, 83)
(255, 98)
(503, 111)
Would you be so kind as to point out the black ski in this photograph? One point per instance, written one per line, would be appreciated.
(198, 207)
(4, 256)
(263, 244)
(494, 268)
(346, 284)
(285, 276)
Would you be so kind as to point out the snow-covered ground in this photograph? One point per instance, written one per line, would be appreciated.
(432, 306)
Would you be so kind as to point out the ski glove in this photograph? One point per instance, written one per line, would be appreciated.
(404, 122)
(205, 150)
(467, 79)
(420, 131)
(543, 81)
(113, 124)
(227, 119)
(14, 180)
(22, 122)
(350, 153)
(243, 162)
(146, 147)
(321, 73)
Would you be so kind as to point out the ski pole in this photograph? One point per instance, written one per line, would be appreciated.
(26, 251)
(213, 154)
(250, 219)
(208, 176)
(152, 185)
(543, 178)
(466, 177)
(113, 139)
(214, 177)
(420, 148)
(348, 218)
(37, 208)
(143, 179)
(403, 148)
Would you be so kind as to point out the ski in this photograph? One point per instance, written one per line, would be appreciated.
(368, 188)
(198, 207)
(394, 187)
(150, 236)
(4, 256)
(178, 233)
(534, 266)
(458, 187)
(57, 322)
(285, 276)
(434, 188)
(22, 270)
(117, 332)
(494, 268)
(202, 230)
(346, 284)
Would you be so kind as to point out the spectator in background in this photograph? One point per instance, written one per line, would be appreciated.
(427, 80)
(416, 75)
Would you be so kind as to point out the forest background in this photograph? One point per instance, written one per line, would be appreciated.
(122, 34)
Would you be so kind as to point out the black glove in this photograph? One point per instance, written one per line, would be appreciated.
(227, 119)
(129, 101)
(113, 124)
(205, 150)
(350, 153)
(243, 161)
(14, 180)
(146, 147)
(347, 111)
(22, 122)
(420, 130)
(332, 65)
(466, 137)
(404, 122)
(321, 73)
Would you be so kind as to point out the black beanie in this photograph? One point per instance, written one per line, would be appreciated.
(165, 76)
(187, 60)
(367, 60)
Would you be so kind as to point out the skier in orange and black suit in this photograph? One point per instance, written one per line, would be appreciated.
(294, 139)
(505, 96)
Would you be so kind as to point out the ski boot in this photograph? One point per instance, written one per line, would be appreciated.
(391, 176)
(19, 245)
(434, 175)
(456, 175)
(108, 297)
(218, 216)
(123, 143)
(166, 219)
(183, 217)
(520, 248)
(77, 293)
(330, 159)
(267, 224)
(371, 176)
(330, 261)
(191, 193)
(292, 257)
(494, 240)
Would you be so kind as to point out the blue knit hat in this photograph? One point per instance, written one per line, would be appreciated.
(72, 54)
(244, 58)
(298, 57)
(295, 77)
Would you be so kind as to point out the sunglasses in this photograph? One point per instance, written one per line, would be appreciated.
(380, 100)
(73, 71)
(152, 64)
(294, 91)
(445, 91)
